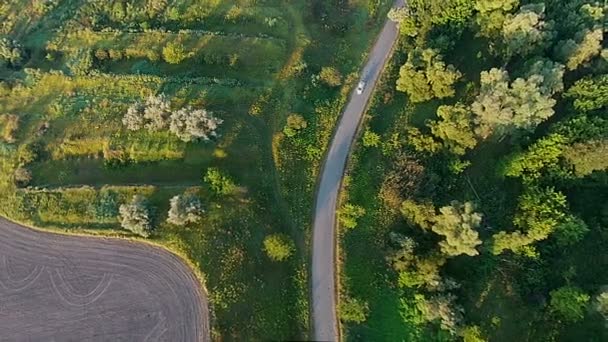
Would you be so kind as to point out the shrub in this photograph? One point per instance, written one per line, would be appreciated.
(349, 214)
(174, 53)
(278, 247)
(218, 183)
(330, 76)
(353, 310)
(184, 209)
(136, 216)
(22, 177)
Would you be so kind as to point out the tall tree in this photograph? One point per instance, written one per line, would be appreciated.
(455, 128)
(457, 223)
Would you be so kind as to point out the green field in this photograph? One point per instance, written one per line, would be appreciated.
(547, 286)
(80, 65)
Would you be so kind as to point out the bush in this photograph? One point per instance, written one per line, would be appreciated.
(353, 310)
(218, 183)
(22, 177)
(136, 216)
(330, 76)
(349, 214)
(278, 247)
(174, 53)
(184, 209)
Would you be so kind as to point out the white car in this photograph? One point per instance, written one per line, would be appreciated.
(360, 87)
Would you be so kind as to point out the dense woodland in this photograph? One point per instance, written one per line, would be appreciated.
(476, 206)
(196, 124)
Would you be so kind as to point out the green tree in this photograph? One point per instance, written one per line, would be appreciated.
(371, 139)
(418, 214)
(541, 157)
(576, 52)
(589, 93)
(492, 14)
(454, 128)
(353, 310)
(472, 334)
(600, 304)
(174, 53)
(500, 108)
(457, 223)
(349, 214)
(136, 216)
(278, 247)
(571, 231)
(425, 76)
(422, 142)
(527, 31)
(588, 157)
(330, 76)
(540, 211)
(568, 303)
(219, 183)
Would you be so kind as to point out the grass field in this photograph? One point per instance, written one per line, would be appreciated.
(253, 63)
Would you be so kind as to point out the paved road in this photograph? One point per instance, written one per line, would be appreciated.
(324, 253)
(66, 288)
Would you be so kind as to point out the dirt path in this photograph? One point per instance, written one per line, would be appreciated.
(67, 288)
(324, 235)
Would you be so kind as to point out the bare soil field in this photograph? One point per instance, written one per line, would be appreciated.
(67, 288)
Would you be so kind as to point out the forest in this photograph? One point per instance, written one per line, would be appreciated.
(199, 125)
(476, 202)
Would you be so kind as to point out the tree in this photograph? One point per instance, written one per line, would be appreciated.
(156, 112)
(577, 52)
(153, 114)
(441, 308)
(600, 304)
(589, 93)
(295, 123)
(527, 31)
(136, 216)
(11, 53)
(571, 231)
(549, 75)
(454, 128)
(422, 142)
(588, 157)
(542, 156)
(330, 76)
(501, 108)
(540, 211)
(184, 209)
(457, 223)
(192, 124)
(425, 76)
(349, 214)
(472, 334)
(422, 215)
(517, 242)
(219, 183)
(353, 310)
(80, 62)
(568, 303)
(371, 139)
(278, 247)
(491, 15)
(174, 53)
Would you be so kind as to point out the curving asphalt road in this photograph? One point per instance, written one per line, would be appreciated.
(325, 322)
(67, 288)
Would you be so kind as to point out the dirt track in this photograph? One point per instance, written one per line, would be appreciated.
(66, 288)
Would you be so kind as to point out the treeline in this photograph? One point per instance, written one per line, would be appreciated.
(536, 88)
